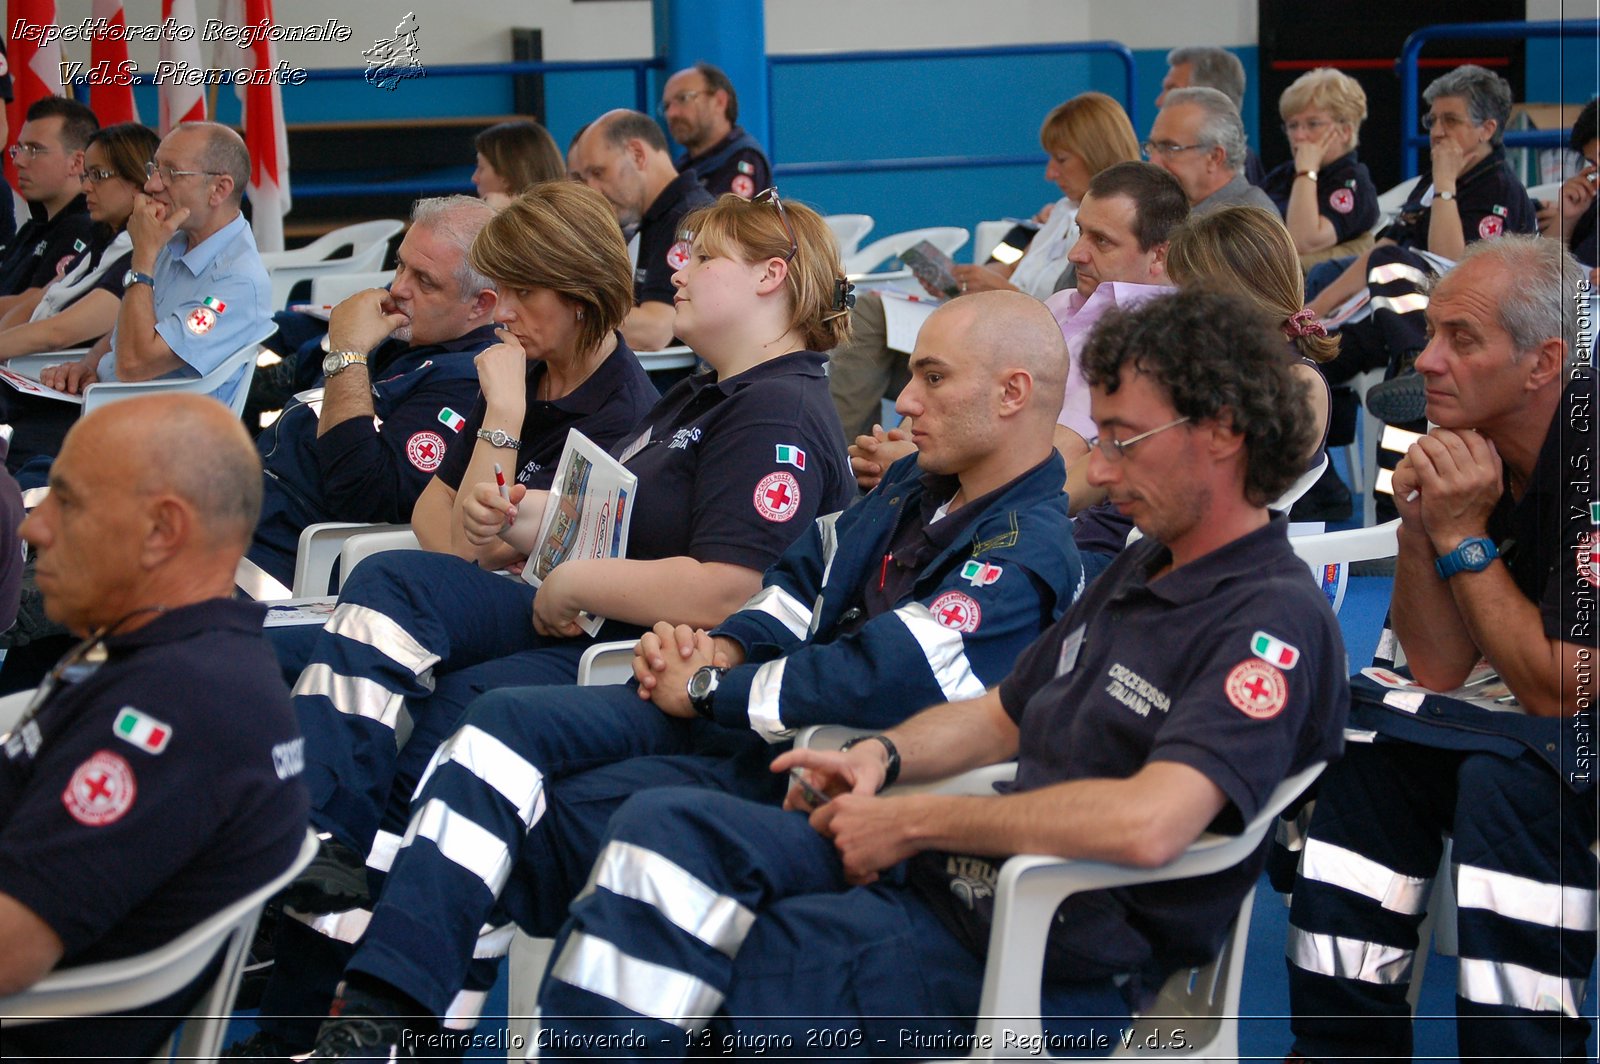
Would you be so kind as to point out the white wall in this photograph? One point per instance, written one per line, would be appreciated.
(464, 31)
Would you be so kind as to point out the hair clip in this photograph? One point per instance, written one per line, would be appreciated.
(844, 294)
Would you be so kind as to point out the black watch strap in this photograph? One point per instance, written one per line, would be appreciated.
(892, 772)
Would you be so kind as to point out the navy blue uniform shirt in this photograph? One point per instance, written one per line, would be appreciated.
(734, 164)
(1167, 669)
(1489, 199)
(659, 255)
(614, 399)
(46, 247)
(734, 470)
(1346, 195)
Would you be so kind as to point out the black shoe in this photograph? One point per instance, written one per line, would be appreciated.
(1398, 400)
(357, 1034)
(258, 963)
(335, 880)
(1328, 500)
(264, 1046)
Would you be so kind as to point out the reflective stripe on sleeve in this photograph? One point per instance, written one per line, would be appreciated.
(653, 990)
(783, 607)
(1396, 271)
(944, 650)
(765, 689)
(1403, 304)
(691, 904)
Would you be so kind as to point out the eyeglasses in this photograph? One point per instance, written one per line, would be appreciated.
(96, 175)
(1117, 450)
(30, 150)
(168, 173)
(1448, 121)
(680, 99)
(1311, 125)
(1167, 147)
(770, 195)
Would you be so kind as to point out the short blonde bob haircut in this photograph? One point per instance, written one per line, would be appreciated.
(1339, 94)
(562, 236)
(1246, 252)
(752, 231)
(1094, 127)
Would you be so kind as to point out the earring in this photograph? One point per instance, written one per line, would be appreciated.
(580, 313)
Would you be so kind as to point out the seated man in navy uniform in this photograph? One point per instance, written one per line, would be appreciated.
(398, 382)
(155, 780)
(196, 290)
(623, 156)
(1497, 561)
(925, 590)
(1202, 668)
(702, 113)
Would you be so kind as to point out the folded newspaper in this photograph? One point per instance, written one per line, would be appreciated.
(587, 516)
(29, 386)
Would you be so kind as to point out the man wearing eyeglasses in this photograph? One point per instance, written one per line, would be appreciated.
(623, 156)
(156, 778)
(49, 160)
(701, 111)
(1198, 138)
(1200, 670)
(196, 288)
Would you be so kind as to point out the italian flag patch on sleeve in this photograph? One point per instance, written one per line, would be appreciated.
(1274, 651)
(143, 731)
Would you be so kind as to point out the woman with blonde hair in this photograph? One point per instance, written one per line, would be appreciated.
(1324, 192)
(733, 464)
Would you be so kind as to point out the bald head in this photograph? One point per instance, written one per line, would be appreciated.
(1010, 330)
(190, 446)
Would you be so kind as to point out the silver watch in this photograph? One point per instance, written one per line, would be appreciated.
(336, 362)
(499, 438)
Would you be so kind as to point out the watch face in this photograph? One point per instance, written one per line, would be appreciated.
(700, 683)
(1474, 555)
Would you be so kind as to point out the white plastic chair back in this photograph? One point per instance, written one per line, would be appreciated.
(675, 357)
(368, 241)
(1390, 202)
(122, 985)
(335, 288)
(848, 230)
(321, 545)
(947, 239)
(364, 545)
(1330, 554)
(987, 236)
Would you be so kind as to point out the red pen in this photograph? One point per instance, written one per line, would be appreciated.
(505, 492)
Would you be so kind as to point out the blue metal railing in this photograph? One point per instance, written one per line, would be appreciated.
(942, 162)
(1410, 98)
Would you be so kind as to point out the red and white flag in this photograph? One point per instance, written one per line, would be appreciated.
(35, 71)
(180, 102)
(266, 137)
(110, 95)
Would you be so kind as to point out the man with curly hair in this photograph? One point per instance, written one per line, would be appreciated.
(1193, 677)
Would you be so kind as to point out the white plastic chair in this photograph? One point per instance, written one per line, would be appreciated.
(1365, 472)
(101, 393)
(848, 230)
(334, 288)
(367, 241)
(947, 239)
(987, 236)
(363, 545)
(675, 357)
(1339, 550)
(1390, 202)
(119, 986)
(321, 545)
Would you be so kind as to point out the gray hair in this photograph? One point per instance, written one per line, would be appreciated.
(1543, 301)
(1487, 95)
(1221, 126)
(223, 152)
(458, 220)
(1213, 68)
(622, 126)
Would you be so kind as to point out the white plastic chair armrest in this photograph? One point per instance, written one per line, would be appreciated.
(320, 546)
(606, 663)
(363, 545)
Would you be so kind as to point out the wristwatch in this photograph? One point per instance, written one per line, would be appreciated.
(1472, 555)
(336, 362)
(133, 277)
(702, 688)
(1312, 174)
(499, 438)
(892, 772)
(1443, 195)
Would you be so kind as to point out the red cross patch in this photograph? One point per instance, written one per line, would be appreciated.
(1587, 555)
(1490, 225)
(1257, 689)
(777, 497)
(200, 320)
(425, 450)
(678, 255)
(101, 790)
(743, 186)
(955, 610)
(1342, 200)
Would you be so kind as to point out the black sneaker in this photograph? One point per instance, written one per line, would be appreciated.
(357, 1034)
(264, 1046)
(1398, 400)
(335, 880)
